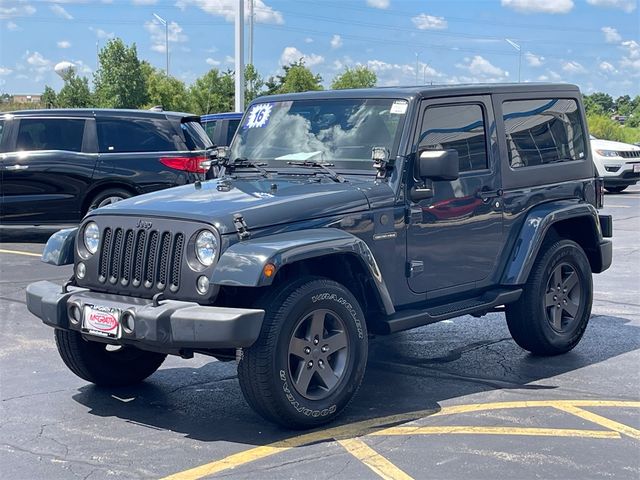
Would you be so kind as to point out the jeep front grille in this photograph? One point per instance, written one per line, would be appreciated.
(630, 154)
(141, 260)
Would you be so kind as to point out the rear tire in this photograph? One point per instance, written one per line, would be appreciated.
(92, 362)
(107, 197)
(552, 314)
(310, 357)
(615, 189)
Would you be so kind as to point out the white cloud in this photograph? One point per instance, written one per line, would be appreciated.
(630, 63)
(632, 47)
(61, 12)
(212, 62)
(429, 22)
(308, 40)
(539, 6)
(533, 60)
(145, 2)
(336, 41)
(626, 5)
(5, 71)
(382, 4)
(229, 59)
(607, 67)
(481, 67)
(20, 10)
(37, 60)
(292, 54)
(227, 9)
(390, 74)
(64, 44)
(573, 67)
(611, 35)
(157, 33)
(102, 34)
(12, 27)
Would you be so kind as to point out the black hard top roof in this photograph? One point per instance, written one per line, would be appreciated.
(426, 91)
(102, 112)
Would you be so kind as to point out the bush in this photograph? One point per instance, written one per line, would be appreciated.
(601, 126)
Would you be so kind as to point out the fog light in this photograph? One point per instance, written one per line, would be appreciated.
(612, 168)
(81, 270)
(202, 284)
(75, 314)
(128, 322)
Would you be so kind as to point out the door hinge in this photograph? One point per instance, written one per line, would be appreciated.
(415, 267)
(241, 226)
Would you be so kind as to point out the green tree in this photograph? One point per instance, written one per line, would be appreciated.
(253, 83)
(49, 97)
(75, 93)
(212, 93)
(167, 92)
(297, 78)
(601, 126)
(623, 105)
(359, 77)
(119, 81)
(599, 103)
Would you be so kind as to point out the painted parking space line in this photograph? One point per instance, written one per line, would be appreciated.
(349, 436)
(602, 421)
(20, 252)
(473, 430)
(372, 459)
(617, 206)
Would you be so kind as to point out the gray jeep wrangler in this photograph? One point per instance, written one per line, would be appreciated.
(337, 215)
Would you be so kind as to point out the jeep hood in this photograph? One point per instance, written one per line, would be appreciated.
(611, 145)
(216, 201)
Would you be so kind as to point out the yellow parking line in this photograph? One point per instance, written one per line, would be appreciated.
(372, 459)
(479, 407)
(600, 420)
(19, 252)
(473, 430)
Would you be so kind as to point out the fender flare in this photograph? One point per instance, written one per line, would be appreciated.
(242, 264)
(534, 229)
(59, 248)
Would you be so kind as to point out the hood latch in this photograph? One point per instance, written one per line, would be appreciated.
(241, 226)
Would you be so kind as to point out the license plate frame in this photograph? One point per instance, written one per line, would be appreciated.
(101, 321)
(636, 168)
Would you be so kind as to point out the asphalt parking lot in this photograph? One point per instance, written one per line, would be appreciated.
(457, 399)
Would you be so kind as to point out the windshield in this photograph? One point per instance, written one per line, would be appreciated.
(341, 132)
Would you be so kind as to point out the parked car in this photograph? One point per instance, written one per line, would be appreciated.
(221, 127)
(56, 165)
(616, 162)
(315, 236)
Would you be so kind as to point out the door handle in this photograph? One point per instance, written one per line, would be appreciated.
(16, 167)
(487, 195)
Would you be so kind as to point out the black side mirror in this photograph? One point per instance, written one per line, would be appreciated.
(438, 164)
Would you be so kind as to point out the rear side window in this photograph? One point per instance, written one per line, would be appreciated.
(458, 127)
(543, 131)
(50, 134)
(1, 130)
(232, 126)
(120, 135)
(210, 128)
(195, 136)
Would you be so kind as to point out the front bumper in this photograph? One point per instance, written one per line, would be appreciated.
(623, 177)
(169, 327)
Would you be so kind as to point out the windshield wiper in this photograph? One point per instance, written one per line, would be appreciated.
(323, 166)
(245, 162)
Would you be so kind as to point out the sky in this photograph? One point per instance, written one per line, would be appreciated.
(592, 43)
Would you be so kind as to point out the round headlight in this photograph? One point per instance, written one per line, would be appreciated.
(91, 237)
(206, 247)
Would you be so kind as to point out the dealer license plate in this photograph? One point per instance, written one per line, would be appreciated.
(636, 168)
(101, 321)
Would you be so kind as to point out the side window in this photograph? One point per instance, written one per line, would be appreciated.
(1, 130)
(195, 136)
(458, 127)
(210, 128)
(50, 134)
(118, 135)
(232, 126)
(543, 131)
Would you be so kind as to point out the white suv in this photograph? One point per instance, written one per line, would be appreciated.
(617, 163)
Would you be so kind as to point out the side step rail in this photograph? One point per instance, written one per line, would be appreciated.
(407, 319)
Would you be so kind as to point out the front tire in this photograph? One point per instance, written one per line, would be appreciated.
(95, 363)
(615, 189)
(107, 197)
(552, 314)
(311, 355)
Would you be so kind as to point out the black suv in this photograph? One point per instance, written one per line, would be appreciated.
(339, 214)
(56, 165)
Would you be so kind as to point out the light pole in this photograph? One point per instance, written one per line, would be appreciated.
(239, 44)
(519, 49)
(417, 67)
(166, 38)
